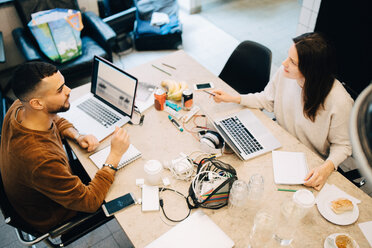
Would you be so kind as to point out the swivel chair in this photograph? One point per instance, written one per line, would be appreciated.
(248, 68)
(361, 132)
(97, 38)
(67, 232)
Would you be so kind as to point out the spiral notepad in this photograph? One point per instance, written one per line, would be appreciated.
(99, 158)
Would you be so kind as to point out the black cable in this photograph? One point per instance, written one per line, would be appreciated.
(161, 202)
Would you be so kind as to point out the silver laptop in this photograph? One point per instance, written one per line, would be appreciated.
(246, 135)
(109, 104)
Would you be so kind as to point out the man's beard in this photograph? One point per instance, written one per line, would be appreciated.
(60, 109)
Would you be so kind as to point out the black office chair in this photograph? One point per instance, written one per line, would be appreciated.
(67, 232)
(248, 68)
(120, 16)
(97, 38)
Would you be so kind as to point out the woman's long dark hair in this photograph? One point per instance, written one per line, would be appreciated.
(317, 65)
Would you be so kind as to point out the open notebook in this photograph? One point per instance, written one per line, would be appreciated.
(99, 158)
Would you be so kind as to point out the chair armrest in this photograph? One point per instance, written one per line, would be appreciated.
(25, 44)
(99, 31)
(131, 13)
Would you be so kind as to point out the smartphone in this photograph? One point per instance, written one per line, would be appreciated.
(113, 206)
(203, 86)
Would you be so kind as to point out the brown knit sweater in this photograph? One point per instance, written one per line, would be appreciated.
(38, 179)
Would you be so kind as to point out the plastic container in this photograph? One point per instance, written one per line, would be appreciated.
(153, 170)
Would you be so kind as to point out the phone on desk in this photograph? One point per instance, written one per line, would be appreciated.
(113, 206)
(204, 86)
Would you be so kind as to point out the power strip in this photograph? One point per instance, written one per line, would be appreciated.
(191, 113)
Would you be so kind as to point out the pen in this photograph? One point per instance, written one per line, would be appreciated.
(175, 123)
(210, 93)
(289, 190)
(161, 70)
(174, 68)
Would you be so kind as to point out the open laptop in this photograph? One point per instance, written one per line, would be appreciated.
(245, 134)
(110, 102)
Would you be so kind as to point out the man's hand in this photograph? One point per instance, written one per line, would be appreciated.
(119, 145)
(88, 142)
(221, 96)
(318, 176)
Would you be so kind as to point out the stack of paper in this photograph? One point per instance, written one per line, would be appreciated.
(289, 167)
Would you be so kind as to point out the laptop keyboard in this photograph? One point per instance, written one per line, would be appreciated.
(98, 112)
(240, 133)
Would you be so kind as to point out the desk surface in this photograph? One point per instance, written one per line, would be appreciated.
(159, 139)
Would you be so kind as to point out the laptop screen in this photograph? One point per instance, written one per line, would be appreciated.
(113, 86)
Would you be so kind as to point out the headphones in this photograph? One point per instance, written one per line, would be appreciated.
(211, 142)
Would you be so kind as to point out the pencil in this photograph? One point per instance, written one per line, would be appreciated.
(161, 70)
(174, 68)
(210, 93)
(289, 190)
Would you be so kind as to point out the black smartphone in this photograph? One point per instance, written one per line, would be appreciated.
(113, 206)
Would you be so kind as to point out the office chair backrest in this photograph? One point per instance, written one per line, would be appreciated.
(361, 132)
(27, 7)
(10, 215)
(248, 68)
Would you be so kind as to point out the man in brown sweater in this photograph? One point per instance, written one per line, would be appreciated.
(35, 170)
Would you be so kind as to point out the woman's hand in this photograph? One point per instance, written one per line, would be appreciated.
(318, 176)
(221, 96)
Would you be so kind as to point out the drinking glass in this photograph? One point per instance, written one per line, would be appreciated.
(238, 194)
(256, 187)
(262, 230)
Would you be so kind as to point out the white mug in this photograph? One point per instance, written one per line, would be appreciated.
(153, 170)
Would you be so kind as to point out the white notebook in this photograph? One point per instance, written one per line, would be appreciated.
(99, 158)
(289, 167)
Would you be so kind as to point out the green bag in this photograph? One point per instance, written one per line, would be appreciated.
(57, 32)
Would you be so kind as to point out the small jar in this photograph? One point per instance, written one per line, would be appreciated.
(153, 169)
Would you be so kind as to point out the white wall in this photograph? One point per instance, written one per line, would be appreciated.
(308, 16)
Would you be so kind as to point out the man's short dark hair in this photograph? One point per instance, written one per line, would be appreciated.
(28, 75)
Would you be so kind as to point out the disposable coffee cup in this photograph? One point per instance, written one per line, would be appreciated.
(304, 200)
(153, 170)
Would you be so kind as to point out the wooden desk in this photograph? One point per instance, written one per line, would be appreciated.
(159, 139)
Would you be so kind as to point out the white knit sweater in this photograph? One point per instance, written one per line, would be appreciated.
(328, 135)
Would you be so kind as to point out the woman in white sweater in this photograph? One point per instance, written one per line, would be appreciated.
(308, 102)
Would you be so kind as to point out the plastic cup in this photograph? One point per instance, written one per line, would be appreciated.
(153, 170)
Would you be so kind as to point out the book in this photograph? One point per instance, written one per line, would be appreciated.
(99, 158)
(289, 167)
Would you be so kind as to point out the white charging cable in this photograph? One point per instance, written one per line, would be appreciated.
(182, 167)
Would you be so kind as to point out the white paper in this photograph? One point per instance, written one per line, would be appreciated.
(330, 190)
(198, 230)
(366, 228)
(144, 96)
(289, 167)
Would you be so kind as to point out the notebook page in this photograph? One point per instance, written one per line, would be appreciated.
(99, 158)
(289, 167)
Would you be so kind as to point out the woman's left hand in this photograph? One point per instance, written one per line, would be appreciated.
(318, 176)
